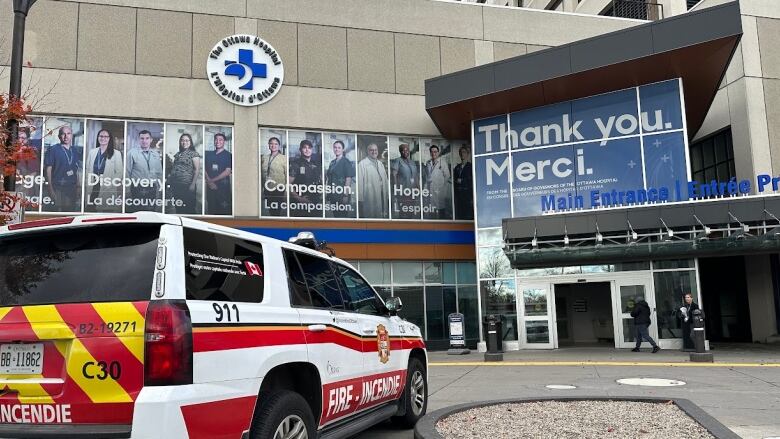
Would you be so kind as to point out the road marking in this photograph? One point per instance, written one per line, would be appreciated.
(599, 363)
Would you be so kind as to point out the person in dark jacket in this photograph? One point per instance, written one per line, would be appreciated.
(641, 315)
(686, 315)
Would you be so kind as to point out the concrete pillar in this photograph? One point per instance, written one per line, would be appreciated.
(761, 302)
(245, 135)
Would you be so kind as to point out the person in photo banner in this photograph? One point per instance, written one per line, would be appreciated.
(104, 168)
(405, 174)
(372, 185)
(184, 176)
(27, 170)
(274, 171)
(219, 167)
(144, 168)
(340, 174)
(305, 172)
(464, 200)
(437, 181)
(62, 162)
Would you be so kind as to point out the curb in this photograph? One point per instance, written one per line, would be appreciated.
(426, 426)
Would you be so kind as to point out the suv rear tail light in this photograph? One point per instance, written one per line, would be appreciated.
(168, 344)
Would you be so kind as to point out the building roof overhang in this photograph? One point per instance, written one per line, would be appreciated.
(717, 227)
(696, 46)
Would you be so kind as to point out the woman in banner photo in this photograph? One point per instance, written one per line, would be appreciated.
(339, 177)
(372, 184)
(274, 177)
(104, 169)
(184, 176)
(464, 200)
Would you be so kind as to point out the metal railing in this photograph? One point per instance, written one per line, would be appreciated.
(638, 9)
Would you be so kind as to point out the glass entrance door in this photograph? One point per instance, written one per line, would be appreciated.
(625, 296)
(535, 315)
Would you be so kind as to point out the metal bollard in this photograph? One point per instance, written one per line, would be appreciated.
(698, 336)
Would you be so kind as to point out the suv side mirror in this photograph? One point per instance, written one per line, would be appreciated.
(394, 304)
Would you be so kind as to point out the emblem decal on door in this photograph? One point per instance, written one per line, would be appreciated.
(383, 343)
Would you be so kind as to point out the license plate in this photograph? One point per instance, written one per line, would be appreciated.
(21, 359)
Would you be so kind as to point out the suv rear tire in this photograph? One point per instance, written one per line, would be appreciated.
(415, 398)
(283, 415)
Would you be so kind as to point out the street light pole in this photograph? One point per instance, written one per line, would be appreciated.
(21, 8)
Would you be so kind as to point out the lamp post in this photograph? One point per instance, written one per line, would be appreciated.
(21, 8)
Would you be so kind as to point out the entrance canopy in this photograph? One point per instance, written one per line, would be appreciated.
(721, 227)
(696, 47)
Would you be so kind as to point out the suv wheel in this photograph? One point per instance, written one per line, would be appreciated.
(415, 397)
(283, 415)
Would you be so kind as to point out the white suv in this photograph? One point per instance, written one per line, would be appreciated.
(156, 326)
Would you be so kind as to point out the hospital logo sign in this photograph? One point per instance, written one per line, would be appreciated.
(245, 70)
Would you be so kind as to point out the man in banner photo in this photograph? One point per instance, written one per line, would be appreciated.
(306, 177)
(62, 163)
(144, 168)
(372, 184)
(219, 167)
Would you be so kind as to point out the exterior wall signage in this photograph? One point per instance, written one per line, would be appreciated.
(627, 146)
(245, 70)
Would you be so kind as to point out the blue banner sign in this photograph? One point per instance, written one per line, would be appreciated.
(576, 154)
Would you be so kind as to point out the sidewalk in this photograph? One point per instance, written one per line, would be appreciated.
(742, 390)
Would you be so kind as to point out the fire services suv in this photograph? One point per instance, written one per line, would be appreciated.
(155, 326)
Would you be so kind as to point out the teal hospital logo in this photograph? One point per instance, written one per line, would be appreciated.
(245, 70)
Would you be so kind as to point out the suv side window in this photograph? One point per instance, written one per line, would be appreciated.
(298, 289)
(223, 268)
(321, 282)
(360, 296)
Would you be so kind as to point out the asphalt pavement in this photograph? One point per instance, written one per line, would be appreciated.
(741, 389)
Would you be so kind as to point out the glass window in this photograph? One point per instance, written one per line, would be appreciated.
(413, 308)
(629, 295)
(448, 273)
(537, 331)
(632, 266)
(384, 292)
(712, 158)
(434, 308)
(376, 272)
(490, 236)
(221, 267)
(533, 272)
(673, 263)
(670, 289)
(467, 273)
(360, 297)
(298, 289)
(498, 298)
(467, 305)
(433, 272)
(323, 287)
(535, 301)
(97, 264)
(493, 263)
(407, 273)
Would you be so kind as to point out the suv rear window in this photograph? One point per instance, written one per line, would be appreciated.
(91, 264)
(224, 268)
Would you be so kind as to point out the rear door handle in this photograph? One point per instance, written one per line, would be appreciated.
(317, 328)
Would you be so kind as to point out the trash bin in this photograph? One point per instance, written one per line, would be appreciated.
(493, 338)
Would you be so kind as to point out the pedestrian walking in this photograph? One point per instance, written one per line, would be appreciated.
(686, 315)
(641, 315)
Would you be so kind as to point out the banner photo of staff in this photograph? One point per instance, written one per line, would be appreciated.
(63, 160)
(339, 152)
(184, 169)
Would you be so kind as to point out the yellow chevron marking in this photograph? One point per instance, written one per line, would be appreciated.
(75, 358)
(125, 312)
(32, 392)
(4, 311)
